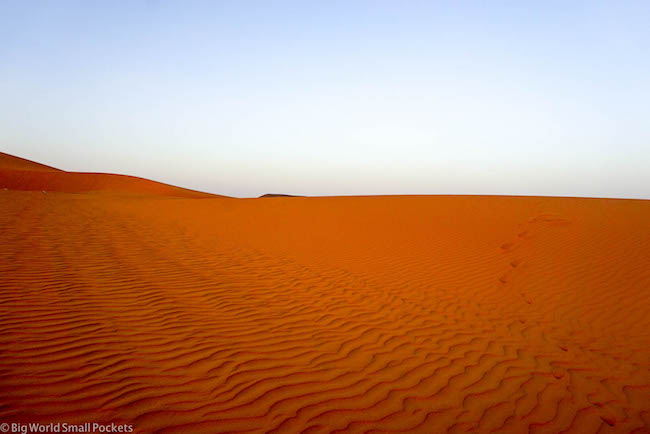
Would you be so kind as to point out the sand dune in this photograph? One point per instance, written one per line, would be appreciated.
(20, 174)
(11, 162)
(344, 314)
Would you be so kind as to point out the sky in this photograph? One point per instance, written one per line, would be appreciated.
(330, 97)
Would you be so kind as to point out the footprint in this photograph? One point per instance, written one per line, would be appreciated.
(550, 218)
(608, 420)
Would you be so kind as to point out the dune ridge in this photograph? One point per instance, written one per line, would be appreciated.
(11, 162)
(343, 314)
(20, 174)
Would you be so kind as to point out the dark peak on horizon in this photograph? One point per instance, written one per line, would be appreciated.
(279, 195)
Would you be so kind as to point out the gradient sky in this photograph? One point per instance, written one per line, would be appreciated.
(334, 97)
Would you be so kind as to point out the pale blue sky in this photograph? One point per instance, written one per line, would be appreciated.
(334, 97)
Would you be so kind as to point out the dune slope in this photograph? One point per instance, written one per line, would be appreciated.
(356, 314)
(20, 174)
(11, 162)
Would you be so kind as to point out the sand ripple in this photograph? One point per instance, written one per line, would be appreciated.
(318, 315)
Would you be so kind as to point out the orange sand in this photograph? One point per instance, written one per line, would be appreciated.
(357, 314)
(20, 174)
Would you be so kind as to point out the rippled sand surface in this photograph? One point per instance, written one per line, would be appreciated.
(182, 312)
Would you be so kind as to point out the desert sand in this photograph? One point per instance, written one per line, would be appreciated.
(129, 301)
(21, 174)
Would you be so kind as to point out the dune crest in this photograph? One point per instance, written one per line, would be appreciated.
(20, 174)
(11, 162)
(342, 314)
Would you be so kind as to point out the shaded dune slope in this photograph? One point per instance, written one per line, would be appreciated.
(317, 315)
(11, 162)
(20, 174)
